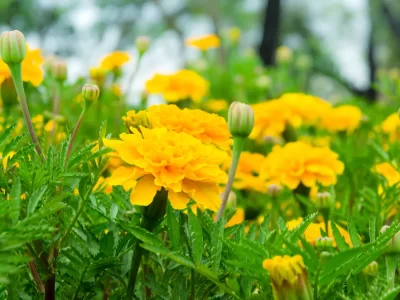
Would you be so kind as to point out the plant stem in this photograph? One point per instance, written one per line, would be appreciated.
(238, 143)
(391, 264)
(56, 109)
(74, 134)
(16, 75)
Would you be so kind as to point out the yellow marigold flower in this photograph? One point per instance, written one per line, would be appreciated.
(31, 68)
(177, 162)
(313, 231)
(204, 42)
(7, 158)
(209, 128)
(38, 122)
(116, 90)
(182, 85)
(289, 277)
(284, 54)
(299, 162)
(305, 109)
(389, 172)
(98, 75)
(237, 218)
(216, 105)
(103, 184)
(319, 141)
(391, 127)
(247, 173)
(342, 118)
(114, 60)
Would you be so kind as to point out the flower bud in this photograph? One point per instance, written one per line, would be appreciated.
(142, 44)
(59, 71)
(325, 256)
(8, 92)
(371, 269)
(274, 190)
(240, 119)
(135, 120)
(289, 277)
(12, 47)
(232, 200)
(90, 92)
(323, 200)
(394, 243)
(323, 243)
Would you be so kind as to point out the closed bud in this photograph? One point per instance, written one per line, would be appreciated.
(274, 190)
(59, 71)
(371, 269)
(325, 256)
(90, 92)
(240, 119)
(12, 47)
(142, 44)
(8, 93)
(323, 200)
(135, 120)
(394, 243)
(323, 243)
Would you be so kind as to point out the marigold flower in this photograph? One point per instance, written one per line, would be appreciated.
(216, 105)
(114, 60)
(182, 85)
(209, 128)
(388, 172)
(313, 231)
(289, 277)
(247, 173)
(177, 162)
(299, 162)
(343, 118)
(31, 68)
(237, 218)
(391, 127)
(204, 42)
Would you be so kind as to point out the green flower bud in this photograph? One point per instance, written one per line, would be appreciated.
(90, 92)
(394, 243)
(240, 119)
(8, 92)
(325, 257)
(12, 47)
(274, 190)
(142, 43)
(323, 200)
(323, 243)
(371, 269)
(59, 71)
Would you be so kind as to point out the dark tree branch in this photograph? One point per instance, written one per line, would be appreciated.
(270, 38)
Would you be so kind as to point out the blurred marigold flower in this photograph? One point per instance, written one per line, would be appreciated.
(182, 85)
(177, 162)
(284, 54)
(313, 231)
(345, 118)
(299, 162)
(31, 68)
(114, 60)
(216, 105)
(204, 42)
(391, 127)
(209, 128)
(289, 277)
(237, 218)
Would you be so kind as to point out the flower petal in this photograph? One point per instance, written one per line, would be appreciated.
(144, 191)
(204, 193)
(178, 200)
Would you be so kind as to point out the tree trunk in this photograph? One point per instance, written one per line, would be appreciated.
(270, 37)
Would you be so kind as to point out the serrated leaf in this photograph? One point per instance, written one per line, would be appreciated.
(195, 236)
(102, 133)
(173, 227)
(6, 133)
(146, 236)
(340, 241)
(282, 225)
(113, 211)
(217, 236)
(35, 198)
(355, 239)
(372, 228)
(15, 200)
(13, 144)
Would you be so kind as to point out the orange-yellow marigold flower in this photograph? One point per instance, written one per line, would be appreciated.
(247, 173)
(343, 118)
(391, 127)
(31, 68)
(114, 60)
(237, 218)
(216, 105)
(182, 85)
(177, 162)
(204, 42)
(299, 162)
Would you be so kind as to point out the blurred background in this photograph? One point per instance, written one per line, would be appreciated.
(347, 41)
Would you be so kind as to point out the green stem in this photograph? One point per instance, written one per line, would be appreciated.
(238, 143)
(74, 134)
(56, 109)
(391, 264)
(16, 75)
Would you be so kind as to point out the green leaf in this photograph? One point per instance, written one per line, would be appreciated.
(372, 228)
(195, 236)
(146, 236)
(282, 225)
(113, 211)
(355, 239)
(391, 294)
(173, 227)
(102, 133)
(217, 236)
(35, 198)
(340, 241)
(6, 133)
(13, 144)
(15, 200)
(264, 229)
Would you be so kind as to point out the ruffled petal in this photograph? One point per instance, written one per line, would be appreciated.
(204, 193)
(144, 191)
(178, 200)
